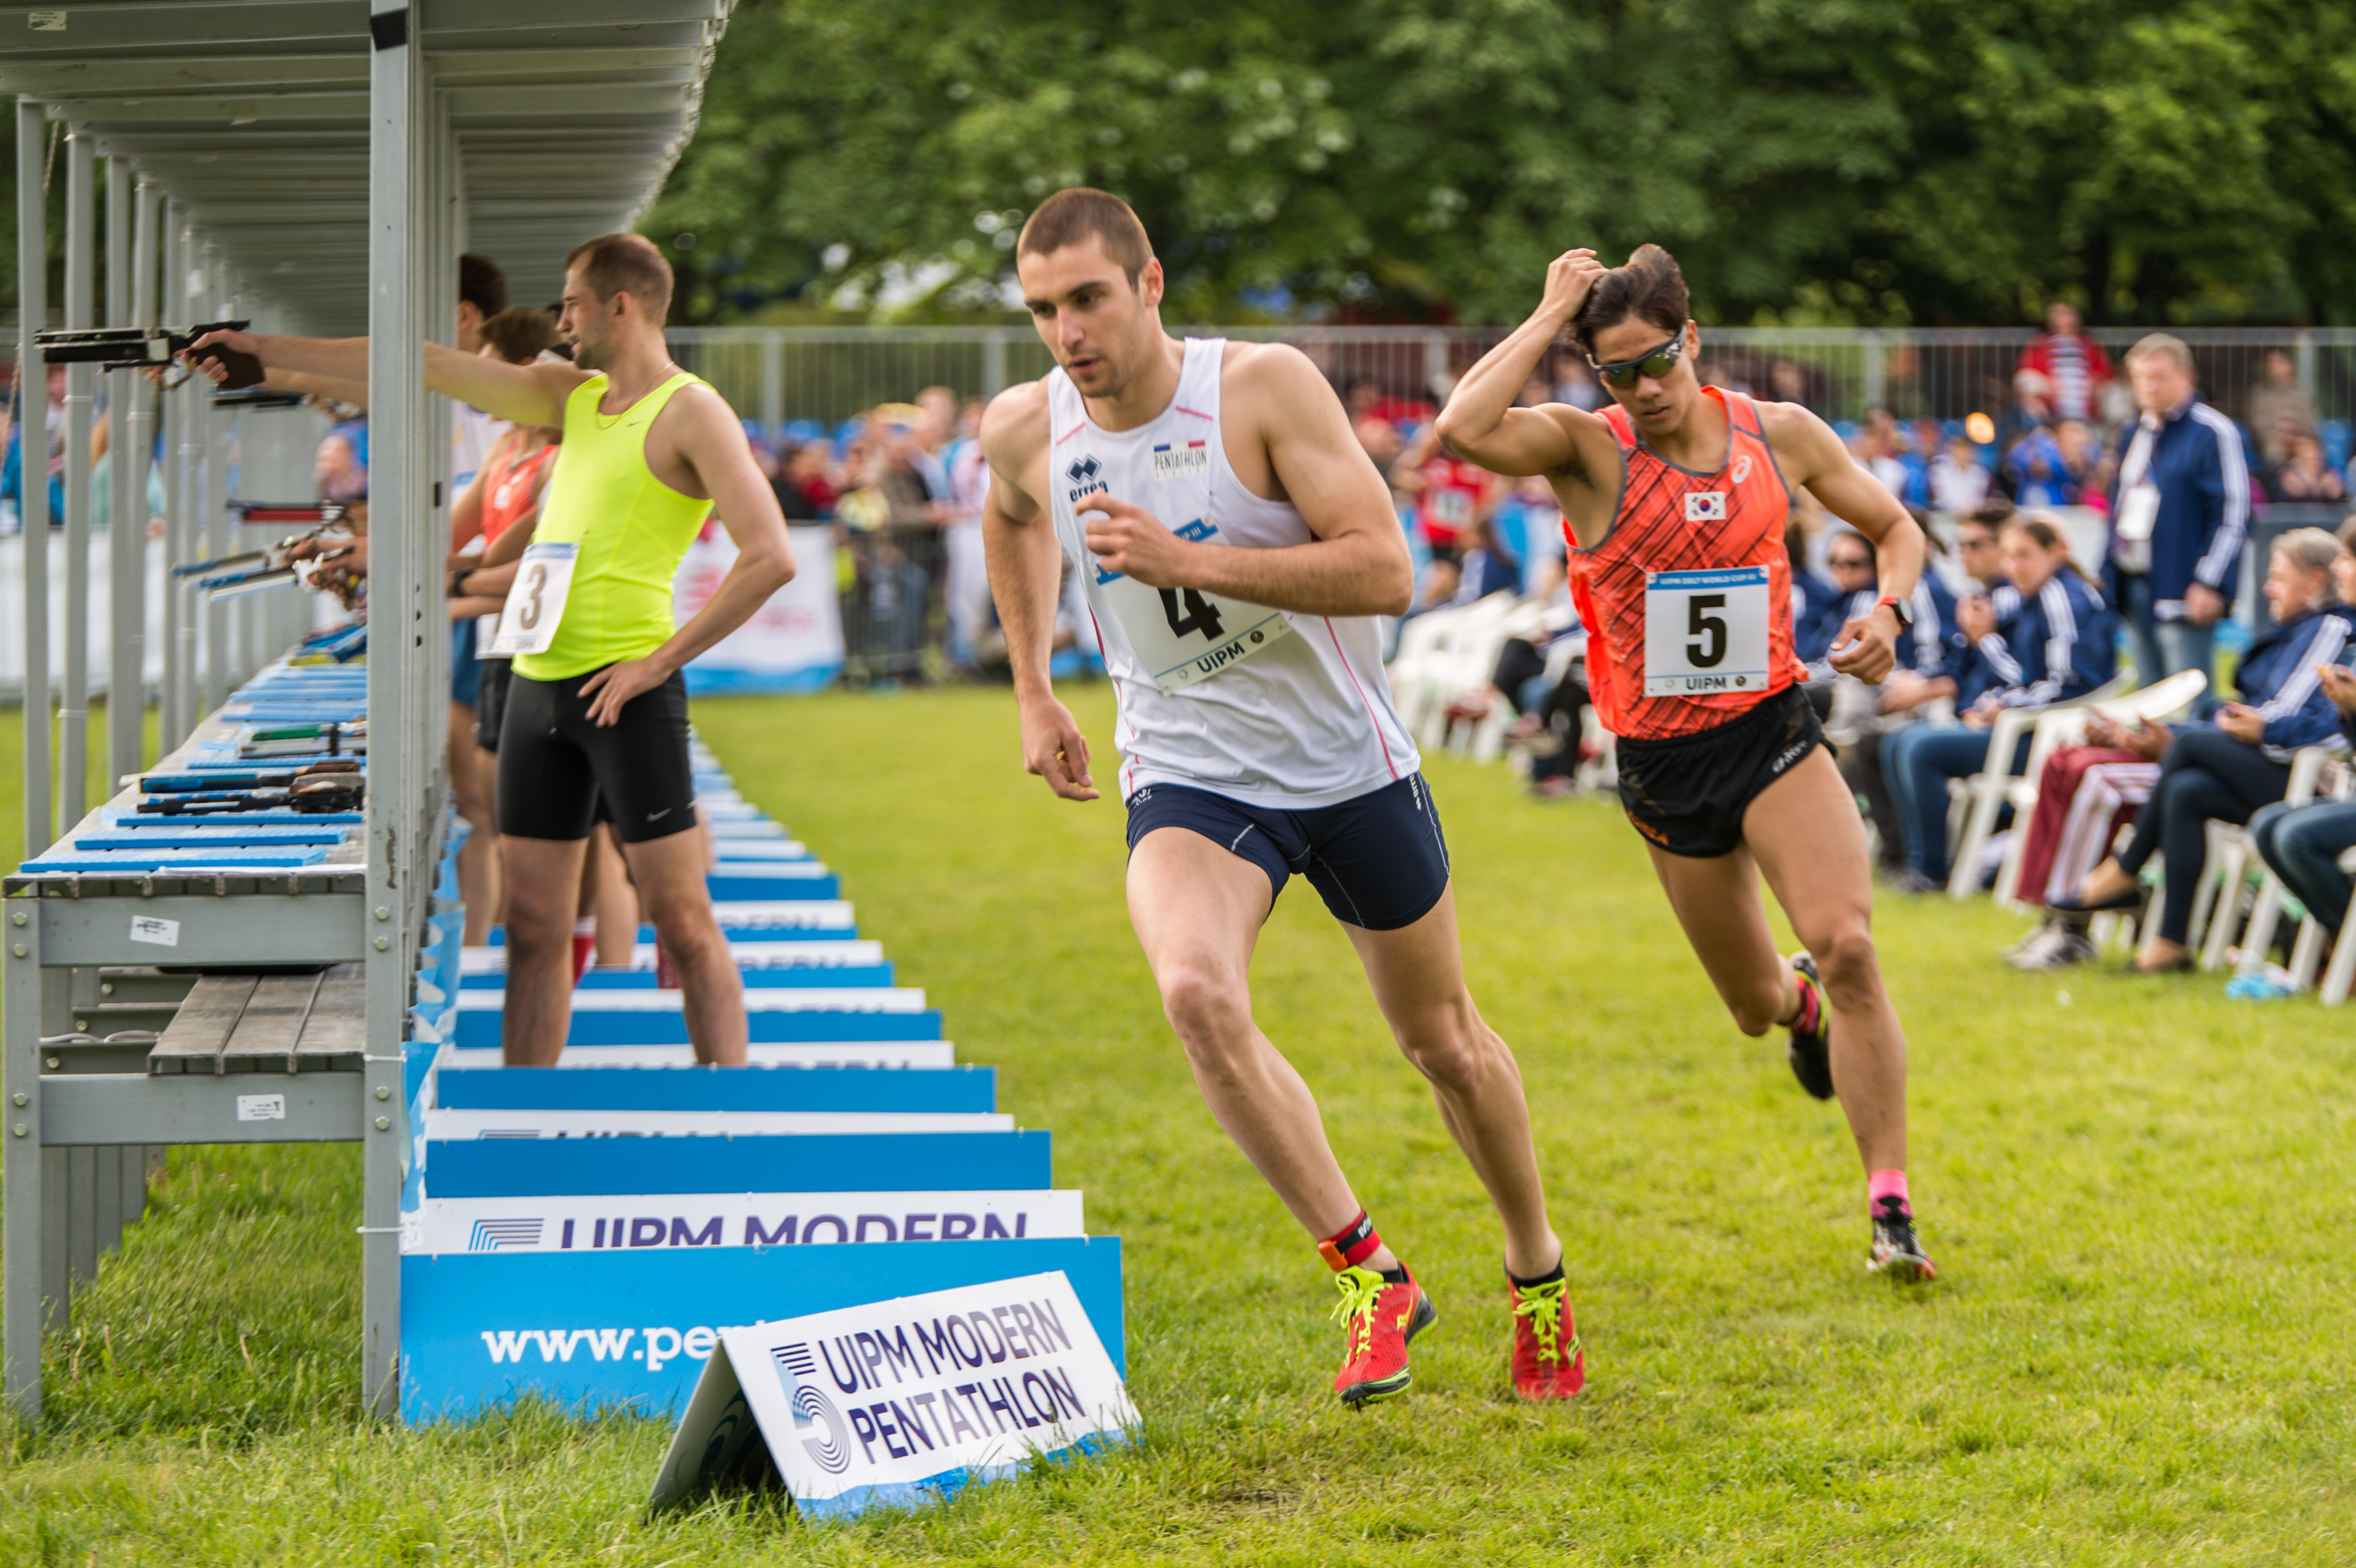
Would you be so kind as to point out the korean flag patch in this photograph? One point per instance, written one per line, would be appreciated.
(1706, 505)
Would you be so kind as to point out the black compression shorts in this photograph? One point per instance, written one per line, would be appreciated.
(1378, 860)
(555, 766)
(1687, 795)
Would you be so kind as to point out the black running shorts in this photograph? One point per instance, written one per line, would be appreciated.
(554, 765)
(1687, 795)
(1378, 860)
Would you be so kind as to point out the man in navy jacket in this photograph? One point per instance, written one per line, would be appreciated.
(2180, 510)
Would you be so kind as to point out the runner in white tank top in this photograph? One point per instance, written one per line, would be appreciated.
(1235, 544)
(1274, 709)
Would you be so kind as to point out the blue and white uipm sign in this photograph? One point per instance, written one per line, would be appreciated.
(902, 1401)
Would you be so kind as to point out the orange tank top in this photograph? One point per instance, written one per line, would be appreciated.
(1670, 519)
(511, 488)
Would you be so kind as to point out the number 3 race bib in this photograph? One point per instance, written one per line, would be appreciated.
(1705, 631)
(535, 604)
(1185, 635)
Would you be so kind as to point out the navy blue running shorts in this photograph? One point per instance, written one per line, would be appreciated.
(1378, 860)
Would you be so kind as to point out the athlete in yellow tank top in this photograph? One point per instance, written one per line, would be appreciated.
(631, 528)
(596, 719)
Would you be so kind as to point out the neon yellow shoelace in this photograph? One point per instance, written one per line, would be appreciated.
(1359, 1288)
(1542, 1305)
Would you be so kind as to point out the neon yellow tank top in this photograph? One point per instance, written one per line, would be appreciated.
(633, 531)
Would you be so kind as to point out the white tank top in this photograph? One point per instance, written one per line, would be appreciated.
(1302, 716)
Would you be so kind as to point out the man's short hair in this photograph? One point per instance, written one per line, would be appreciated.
(1071, 216)
(521, 335)
(625, 264)
(2173, 348)
(482, 285)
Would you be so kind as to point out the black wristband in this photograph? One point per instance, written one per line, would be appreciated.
(458, 575)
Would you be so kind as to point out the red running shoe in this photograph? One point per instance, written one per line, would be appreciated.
(1379, 1318)
(1548, 1361)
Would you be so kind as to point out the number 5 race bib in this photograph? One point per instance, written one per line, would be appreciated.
(535, 604)
(1185, 635)
(1705, 631)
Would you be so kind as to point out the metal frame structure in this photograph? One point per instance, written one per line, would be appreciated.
(317, 164)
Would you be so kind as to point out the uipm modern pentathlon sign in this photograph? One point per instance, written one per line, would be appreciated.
(900, 1402)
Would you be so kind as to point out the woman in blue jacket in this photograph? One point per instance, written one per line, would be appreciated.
(2050, 638)
(2238, 759)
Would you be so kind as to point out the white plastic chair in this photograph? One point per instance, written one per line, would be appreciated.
(2306, 774)
(2059, 725)
(2344, 955)
(1986, 793)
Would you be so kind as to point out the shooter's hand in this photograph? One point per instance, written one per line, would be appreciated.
(213, 368)
(1053, 748)
(1129, 540)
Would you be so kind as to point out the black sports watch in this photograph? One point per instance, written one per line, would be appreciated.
(1899, 607)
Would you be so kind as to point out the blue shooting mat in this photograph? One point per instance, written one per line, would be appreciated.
(126, 861)
(919, 1088)
(227, 835)
(271, 817)
(762, 884)
(803, 978)
(804, 1162)
(481, 1030)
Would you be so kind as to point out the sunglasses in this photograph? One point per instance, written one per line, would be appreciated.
(1654, 362)
(1850, 563)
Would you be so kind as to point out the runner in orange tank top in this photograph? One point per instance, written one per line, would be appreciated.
(1674, 502)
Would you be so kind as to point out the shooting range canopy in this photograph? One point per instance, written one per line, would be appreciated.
(568, 115)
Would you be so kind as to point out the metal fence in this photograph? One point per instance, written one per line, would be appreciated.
(828, 374)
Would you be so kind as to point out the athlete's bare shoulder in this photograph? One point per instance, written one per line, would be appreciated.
(1803, 443)
(1274, 379)
(1015, 435)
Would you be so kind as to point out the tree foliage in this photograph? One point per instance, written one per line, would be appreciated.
(1857, 160)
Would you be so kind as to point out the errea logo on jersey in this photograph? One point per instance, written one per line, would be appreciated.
(1706, 505)
(1172, 461)
(1083, 474)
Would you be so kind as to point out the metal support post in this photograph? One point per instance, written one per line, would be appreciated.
(397, 555)
(993, 361)
(23, 1168)
(81, 382)
(1876, 368)
(126, 536)
(773, 387)
(2303, 354)
(32, 413)
(213, 448)
(139, 443)
(188, 430)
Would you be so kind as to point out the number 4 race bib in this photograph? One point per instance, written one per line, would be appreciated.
(535, 604)
(1185, 635)
(1705, 631)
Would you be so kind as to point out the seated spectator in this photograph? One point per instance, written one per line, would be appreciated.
(2302, 844)
(1959, 480)
(2278, 407)
(2226, 766)
(2049, 638)
(2305, 476)
(1487, 567)
(1930, 655)
(2049, 467)
(1813, 600)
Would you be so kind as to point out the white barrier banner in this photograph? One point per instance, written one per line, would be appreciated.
(902, 1401)
(602, 1223)
(793, 643)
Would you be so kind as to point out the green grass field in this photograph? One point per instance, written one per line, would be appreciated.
(2139, 1194)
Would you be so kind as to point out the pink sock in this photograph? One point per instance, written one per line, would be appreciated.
(1884, 1185)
